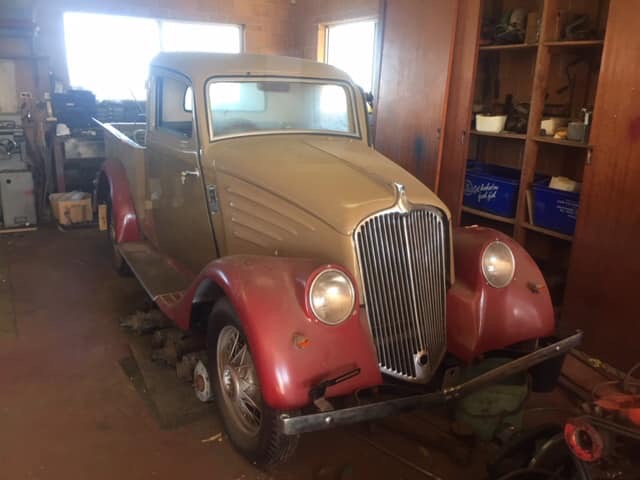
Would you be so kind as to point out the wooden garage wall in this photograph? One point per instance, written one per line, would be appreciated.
(267, 22)
(279, 27)
(307, 15)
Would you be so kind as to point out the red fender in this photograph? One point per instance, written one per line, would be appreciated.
(482, 318)
(268, 294)
(124, 214)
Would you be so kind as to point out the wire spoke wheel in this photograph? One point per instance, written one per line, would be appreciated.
(252, 425)
(238, 380)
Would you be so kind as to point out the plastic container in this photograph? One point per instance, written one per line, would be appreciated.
(492, 188)
(490, 123)
(552, 124)
(554, 209)
(496, 406)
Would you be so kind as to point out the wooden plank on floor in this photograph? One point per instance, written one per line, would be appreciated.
(170, 399)
(7, 231)
(7, 313)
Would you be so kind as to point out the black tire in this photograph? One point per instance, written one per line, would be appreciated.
(265, 446)
(119, 263)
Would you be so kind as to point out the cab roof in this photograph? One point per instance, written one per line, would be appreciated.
(201, 66)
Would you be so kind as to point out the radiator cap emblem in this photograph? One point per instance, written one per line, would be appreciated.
(402, 203)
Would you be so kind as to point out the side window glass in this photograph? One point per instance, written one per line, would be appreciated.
(172, 99)
(188, 100)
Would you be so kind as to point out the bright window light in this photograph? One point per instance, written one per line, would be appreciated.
(333, 99)
(202, 37)
(351, 47)
(110, 54)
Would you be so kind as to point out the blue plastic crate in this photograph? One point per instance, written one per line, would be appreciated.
(492, 188)
(554, 209)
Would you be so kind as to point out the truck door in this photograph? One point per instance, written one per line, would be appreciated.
(175, 184)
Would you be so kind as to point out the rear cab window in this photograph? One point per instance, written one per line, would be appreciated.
(174, 106)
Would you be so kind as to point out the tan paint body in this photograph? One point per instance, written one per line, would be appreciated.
(286, 194)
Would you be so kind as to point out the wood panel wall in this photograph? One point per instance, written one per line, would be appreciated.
(414, 81)
(604, 278)
(458, 117)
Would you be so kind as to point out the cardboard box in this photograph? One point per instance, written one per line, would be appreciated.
(71, 207)
(103, 225)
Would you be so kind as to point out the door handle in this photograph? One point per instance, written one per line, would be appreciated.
(188, 173)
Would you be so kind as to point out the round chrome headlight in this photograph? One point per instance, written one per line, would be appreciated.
(498, 264)
(332, 296)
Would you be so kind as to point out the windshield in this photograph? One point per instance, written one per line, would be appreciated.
(278, 106)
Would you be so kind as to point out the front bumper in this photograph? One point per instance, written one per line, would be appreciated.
(293, 425)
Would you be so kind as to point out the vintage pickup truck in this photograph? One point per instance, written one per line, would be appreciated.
(329, 282)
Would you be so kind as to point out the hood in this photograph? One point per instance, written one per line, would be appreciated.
(338, 180)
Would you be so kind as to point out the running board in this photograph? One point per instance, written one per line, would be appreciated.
(156, 274)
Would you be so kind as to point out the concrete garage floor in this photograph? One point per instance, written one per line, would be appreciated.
(69, 411)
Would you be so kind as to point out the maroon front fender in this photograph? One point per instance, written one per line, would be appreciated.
(267, 293)
(123, 212)
(482, 318)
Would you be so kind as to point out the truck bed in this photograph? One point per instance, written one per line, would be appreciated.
(125, 143)
(129, 133)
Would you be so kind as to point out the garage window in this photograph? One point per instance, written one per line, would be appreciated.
(351, 47)
(110, 54)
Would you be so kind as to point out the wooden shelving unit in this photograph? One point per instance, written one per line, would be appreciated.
(564, 143)
(546, 231)
(487, 215)
(606, 164)
(574, 43)
(555, 74)
(513, 136)
(518, 46)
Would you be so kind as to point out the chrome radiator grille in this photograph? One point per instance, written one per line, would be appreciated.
(402, 257)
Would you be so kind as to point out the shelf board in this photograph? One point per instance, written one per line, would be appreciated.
(565, 143)
(490, 216)
(546, 231)
(574, 43)
(513, 46)
(513, 136)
